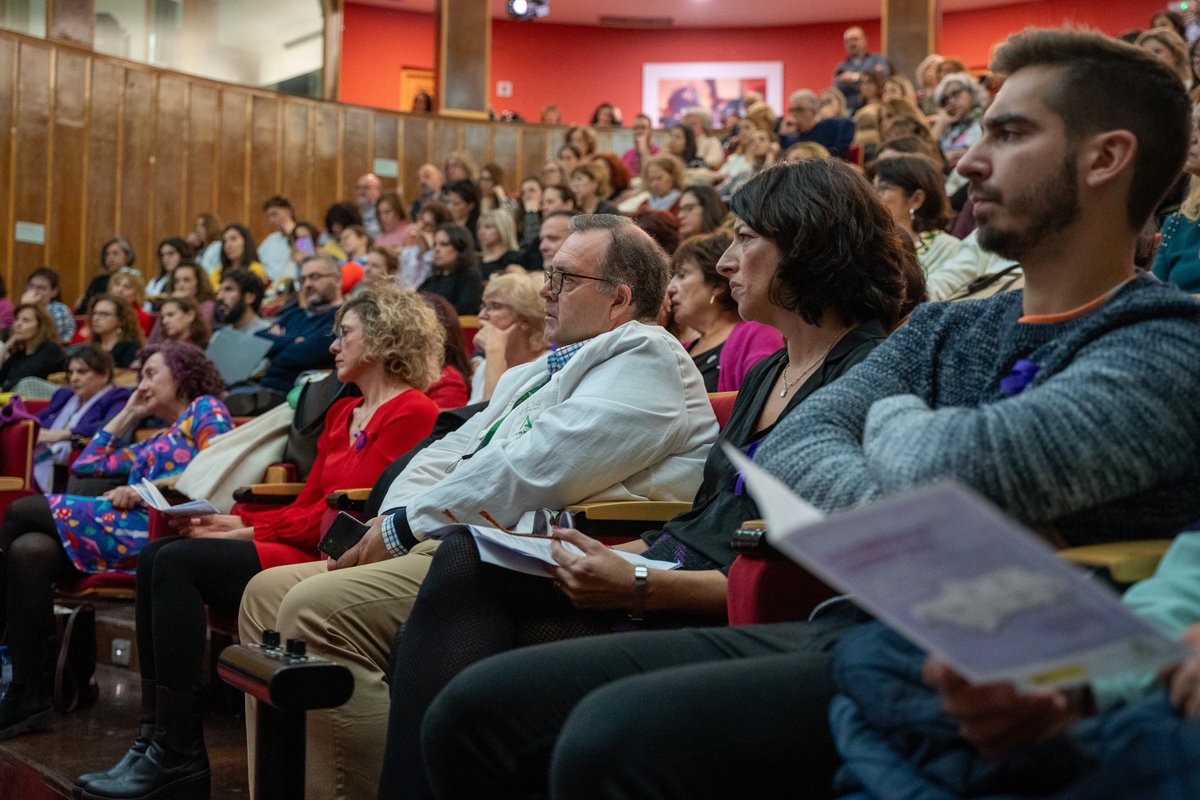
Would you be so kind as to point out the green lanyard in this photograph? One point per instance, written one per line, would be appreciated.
(487, 437)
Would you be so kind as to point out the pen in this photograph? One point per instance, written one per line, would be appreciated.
(493, 521)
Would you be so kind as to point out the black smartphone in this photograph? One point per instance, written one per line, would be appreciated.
(342, 534)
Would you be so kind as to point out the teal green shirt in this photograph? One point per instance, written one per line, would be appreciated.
(1178, 257)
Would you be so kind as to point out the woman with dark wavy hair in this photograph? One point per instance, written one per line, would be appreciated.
(815, 255)
(48, 538)
(455, 274)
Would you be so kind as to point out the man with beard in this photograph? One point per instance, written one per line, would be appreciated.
(238, 299)
(300, 338)
(1070, 405)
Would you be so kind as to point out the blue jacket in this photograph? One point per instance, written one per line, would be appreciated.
(93, 420)
(304, 345)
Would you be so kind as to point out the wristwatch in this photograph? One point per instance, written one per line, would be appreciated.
(638, 612)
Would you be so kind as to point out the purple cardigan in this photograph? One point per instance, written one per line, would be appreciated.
(748, 343)
(101, 411)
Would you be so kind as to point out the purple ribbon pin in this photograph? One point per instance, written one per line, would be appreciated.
(1021, 376)
(739, 481)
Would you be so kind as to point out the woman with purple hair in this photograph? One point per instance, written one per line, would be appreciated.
(49, 538)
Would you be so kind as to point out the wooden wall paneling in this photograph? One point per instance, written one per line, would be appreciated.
(138, 207)
(68, 182)
(233, 139)
(385, 143)
(203, 121)
(296, 158)
(477, 140)
(32, 150)
(104, 120)
(357, 134)
(416, 137)
(324, 165)
(445, 139)
(265, 156)
(506, 152)
(171, 217)
(13, 279)
(535, 144)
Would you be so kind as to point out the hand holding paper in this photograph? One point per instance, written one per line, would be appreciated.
(961, 580)
(153, 498)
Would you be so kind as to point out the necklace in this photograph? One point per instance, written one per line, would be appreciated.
(816, 362)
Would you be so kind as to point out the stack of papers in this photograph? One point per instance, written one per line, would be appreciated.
(153, 498)
(960, 579)
(531, 554)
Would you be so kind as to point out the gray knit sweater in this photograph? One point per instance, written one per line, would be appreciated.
(1103, 443)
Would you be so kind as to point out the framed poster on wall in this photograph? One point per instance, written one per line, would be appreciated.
(670, 89)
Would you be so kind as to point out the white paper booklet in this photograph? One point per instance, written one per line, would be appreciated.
(957, 577)
(152, 497)
(531, 554)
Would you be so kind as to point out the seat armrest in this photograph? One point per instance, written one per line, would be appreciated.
(630, 510)
(1125, 562)
(347, 499)
(277, 494)
(10, 484)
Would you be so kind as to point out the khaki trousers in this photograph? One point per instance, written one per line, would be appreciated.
(350, 616)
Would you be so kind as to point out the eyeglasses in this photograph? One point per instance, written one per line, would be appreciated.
(103, 314)
(950, 96)
(687, 208)
(492, 307)
(555, 277)
(313, 277)
(545, 520)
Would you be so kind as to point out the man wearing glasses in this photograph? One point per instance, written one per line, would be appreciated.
(301, 336)
(617, 410)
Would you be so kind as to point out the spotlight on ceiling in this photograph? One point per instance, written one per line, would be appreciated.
(526, 10)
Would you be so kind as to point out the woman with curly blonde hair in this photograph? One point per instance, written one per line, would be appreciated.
(389, 344)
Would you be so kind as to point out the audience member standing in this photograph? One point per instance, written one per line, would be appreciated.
(858, 60)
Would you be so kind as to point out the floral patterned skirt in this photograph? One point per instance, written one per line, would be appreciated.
(96, 536)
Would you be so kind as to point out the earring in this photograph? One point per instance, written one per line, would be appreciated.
(712, 299)
(912, 213)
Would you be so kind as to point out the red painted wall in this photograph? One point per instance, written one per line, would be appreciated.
(578, 67)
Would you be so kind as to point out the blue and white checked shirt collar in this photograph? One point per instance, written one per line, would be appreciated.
(557, 358)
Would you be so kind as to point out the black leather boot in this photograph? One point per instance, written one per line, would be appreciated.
(175, 765)
(25, 708)
(140, 744)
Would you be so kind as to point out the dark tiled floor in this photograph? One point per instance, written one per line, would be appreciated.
(44, 765)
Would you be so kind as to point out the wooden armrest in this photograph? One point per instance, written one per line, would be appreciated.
(125, 377)
(168, 482)
(630, 510)
(57, 377)
(1126, 562)
(276, 494)
(10, 484)
(276, 489)
(468, 321)
(347, 499)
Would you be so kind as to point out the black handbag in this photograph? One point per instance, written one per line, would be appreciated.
(309, 421)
